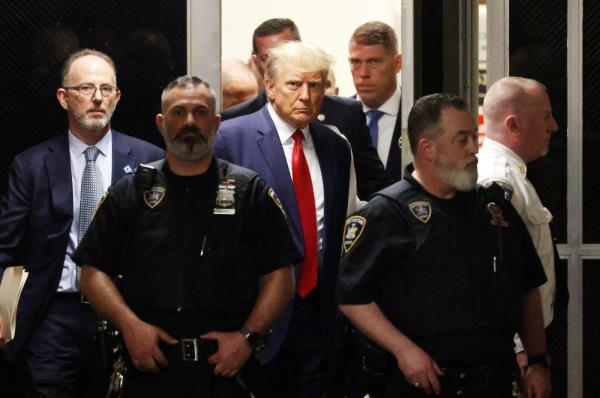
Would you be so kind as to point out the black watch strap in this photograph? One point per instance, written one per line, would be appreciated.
(537, 360)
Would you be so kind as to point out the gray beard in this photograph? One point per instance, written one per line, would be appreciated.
(461, 180)
(191, 149)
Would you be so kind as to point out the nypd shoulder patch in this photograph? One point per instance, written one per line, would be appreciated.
(276, 200)
(154, 196)
(354, 228)
(421, 210)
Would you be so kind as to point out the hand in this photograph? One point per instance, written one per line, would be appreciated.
(3, 341)
(233, 352)
(420, 369)
(522, 362)
(537, 381)
(142, 341)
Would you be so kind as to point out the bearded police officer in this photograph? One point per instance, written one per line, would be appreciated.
(441, 272)
(202, 256)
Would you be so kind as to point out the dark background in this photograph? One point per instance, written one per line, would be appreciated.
(146, 39)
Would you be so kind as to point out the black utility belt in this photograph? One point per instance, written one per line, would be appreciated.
(189, 350)
(459, 377)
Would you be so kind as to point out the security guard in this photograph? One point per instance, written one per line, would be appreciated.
(189, 239)
(441, 272)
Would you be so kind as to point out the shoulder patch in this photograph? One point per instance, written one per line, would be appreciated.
(275, 199)
(154, 196)
(421, 209)
(507, 188)
(354, 228)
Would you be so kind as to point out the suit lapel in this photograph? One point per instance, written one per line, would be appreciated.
(58, 171)
(394, 162)
(123, 161)
(326, 164)
(272, 152)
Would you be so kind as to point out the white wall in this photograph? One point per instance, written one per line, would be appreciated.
(324, 23)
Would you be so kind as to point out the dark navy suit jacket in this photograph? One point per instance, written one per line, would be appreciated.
(393, 167)
(252, 141)
(347, 115)
(36, 216)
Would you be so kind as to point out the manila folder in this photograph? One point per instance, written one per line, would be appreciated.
(11, 287)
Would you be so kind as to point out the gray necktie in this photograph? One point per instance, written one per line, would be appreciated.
(91, 193)
(374, 116)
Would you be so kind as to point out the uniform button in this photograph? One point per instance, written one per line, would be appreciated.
(187, 189)
(179, 309)
(120, 276)
(462, 376)
(459, 393)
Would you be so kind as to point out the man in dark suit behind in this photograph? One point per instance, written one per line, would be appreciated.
(40, 218)
(278, 142)
(375, 63)
(343, 113)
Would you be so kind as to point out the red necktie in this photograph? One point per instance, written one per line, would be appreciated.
(308, 215)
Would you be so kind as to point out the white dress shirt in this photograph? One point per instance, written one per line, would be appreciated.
(285, 132)
(386, 124)
(498, 163)
(104, 163)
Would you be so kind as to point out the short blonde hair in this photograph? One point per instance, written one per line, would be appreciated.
(297, 55)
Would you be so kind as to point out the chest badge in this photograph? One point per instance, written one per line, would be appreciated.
(421, 210)
(225, 200)
(354, 228)
(497, 218)
(154, 196)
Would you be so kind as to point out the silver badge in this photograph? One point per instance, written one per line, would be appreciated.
(225, 201)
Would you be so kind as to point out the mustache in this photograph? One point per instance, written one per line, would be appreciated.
(187, 130)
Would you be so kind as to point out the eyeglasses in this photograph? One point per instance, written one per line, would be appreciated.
(88, 90)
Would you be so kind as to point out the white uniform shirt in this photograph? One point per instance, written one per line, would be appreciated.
(498, 163)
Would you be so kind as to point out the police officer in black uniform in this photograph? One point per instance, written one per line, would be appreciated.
(201, 257)
(441, 272)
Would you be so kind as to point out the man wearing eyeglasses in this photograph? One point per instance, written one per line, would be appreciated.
(53, 191)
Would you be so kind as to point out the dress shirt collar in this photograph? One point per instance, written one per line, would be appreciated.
(389, 107)
(77, 147)
(511, 157)
(285, 131)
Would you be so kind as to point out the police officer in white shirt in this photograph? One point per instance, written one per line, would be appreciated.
(518, 124)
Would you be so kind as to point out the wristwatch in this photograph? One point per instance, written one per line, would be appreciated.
(537, 360)
(255, 340)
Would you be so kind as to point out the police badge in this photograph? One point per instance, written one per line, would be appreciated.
(154, 196)
(355, 225)
(421, 209)
(225, 200)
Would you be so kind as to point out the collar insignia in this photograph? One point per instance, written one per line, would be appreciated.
(497, 216)
(154, 196)
(355, 225)
(421, 209)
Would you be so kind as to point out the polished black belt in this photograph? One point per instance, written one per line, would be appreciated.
(190, 350)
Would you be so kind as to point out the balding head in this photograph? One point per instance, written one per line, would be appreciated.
(238, 82)
(518, 114)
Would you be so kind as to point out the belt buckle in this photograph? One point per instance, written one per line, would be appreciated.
(189, 350)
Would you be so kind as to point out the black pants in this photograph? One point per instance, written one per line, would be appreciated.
(466, 381)
(194, 379)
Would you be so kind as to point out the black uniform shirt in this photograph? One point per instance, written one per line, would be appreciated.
(191, 265)
(440, 270)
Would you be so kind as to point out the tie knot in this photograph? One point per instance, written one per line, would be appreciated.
(374, 115)
(91, 153)
(297, 136)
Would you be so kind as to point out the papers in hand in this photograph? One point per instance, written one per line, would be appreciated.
(11, 287)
